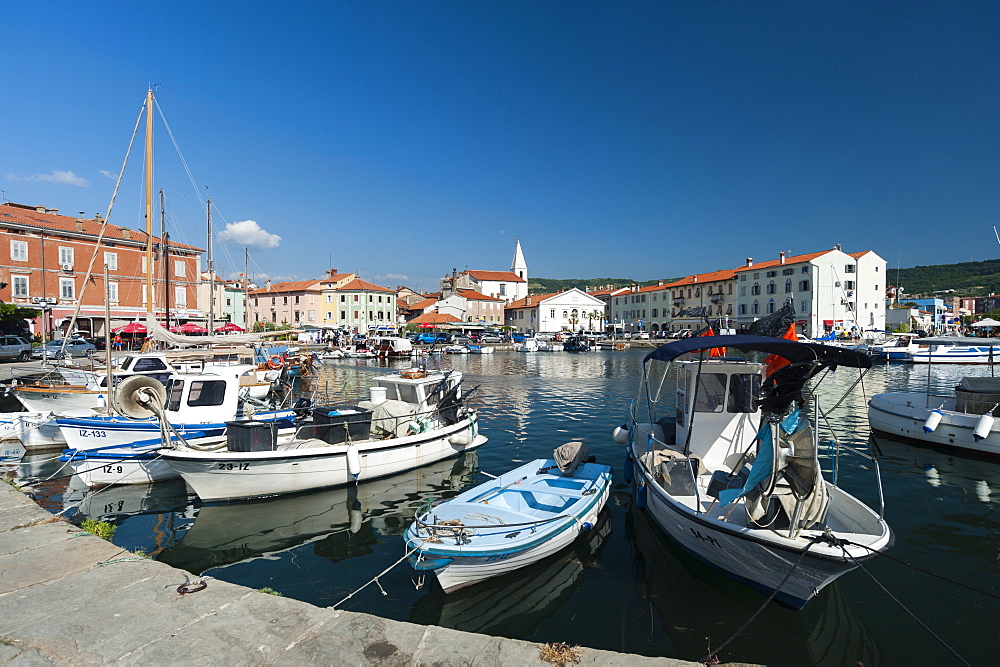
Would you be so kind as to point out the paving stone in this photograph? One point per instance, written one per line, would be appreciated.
(39, 536)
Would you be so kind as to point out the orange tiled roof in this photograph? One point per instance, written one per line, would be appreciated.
(859, 255)
(16, 214)
(797, 259)
(475, 296)
(423, 305)
(290, 286)
(336, 277)
(505, 276)
(362, 285)
(607, 291)
(434, 318)
(699, 278)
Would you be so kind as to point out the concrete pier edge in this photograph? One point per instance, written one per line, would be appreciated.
(70, 597)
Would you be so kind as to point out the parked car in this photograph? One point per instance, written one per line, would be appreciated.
(491, 338)
(643, 335)
(459, 339)
(14, 347)
(430, 338)
(75, 347)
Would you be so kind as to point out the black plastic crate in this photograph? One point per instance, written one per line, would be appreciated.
(251, 436)
(337, 424)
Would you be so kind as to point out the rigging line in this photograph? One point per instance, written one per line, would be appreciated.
(927, 572)
(714, 654)
(904, 608)
(177, 148)
(104, 227)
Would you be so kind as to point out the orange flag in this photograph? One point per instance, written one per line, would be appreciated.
(715, 351)
(773, 361)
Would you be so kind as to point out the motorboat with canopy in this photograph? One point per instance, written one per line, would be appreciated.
(728, 463)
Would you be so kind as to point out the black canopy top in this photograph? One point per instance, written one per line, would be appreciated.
(789, 349)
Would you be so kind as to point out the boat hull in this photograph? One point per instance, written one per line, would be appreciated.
(902, 415)
(110, 471)
(735, 552)
(464, 572)
(224, 475)
(508, 523)
(99, 433)
(61, 399)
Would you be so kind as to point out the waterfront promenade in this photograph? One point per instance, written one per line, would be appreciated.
(68, 597)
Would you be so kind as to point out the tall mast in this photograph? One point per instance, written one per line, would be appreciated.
(166, 262)
(246, 301)
(149, 202)
(211, 274)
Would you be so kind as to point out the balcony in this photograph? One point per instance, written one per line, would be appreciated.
(717, 298)
(679, 301)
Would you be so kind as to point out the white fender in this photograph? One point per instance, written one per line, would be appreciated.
(983, 427)
(620, 434)
(461, 438)
(933, 419)
(588, 523)
(353, 460)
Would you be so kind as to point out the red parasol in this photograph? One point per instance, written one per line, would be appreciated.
(229, 326)
(131, 327)
(189, 327)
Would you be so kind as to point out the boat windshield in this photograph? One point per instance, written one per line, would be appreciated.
(743, 392)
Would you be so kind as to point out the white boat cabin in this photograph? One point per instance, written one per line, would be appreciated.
(204, 398)
(421, 388)
(718, 414)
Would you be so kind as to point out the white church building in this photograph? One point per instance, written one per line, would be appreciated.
(508, 286)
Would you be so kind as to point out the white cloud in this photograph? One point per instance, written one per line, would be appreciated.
(248, 232)
(57, 176)
(108, 175)
(397, 277)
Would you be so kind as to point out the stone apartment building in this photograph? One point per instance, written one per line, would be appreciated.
(44, 257)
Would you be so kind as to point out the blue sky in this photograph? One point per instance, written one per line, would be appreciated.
(401, 139)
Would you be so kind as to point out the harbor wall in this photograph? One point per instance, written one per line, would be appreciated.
(67, 596)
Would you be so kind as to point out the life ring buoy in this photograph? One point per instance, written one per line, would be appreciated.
(275, 362)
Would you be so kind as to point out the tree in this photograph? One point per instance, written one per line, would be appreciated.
(12, 315)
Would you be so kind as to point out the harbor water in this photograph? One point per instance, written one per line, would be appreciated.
(623, 586)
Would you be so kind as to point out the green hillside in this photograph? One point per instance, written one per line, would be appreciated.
(549, 285)
(967, 278)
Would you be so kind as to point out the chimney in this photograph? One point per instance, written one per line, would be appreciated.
(781, 257)
(454, 272)
(39, 209)
(126, 233)
(53, 211)
(527, 300)
(79, 225)
(749, 262)
(98, 217)
(659, 283)
(838, 246)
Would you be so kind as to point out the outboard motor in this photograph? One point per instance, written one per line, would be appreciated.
(301, 407)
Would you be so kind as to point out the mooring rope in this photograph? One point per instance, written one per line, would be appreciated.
(902, 606)
(375, 580)
(713, 657)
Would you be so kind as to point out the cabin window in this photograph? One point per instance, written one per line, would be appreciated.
(174, 390)
(149, 364)
(711, 394)
(743, 392)
(207, 392)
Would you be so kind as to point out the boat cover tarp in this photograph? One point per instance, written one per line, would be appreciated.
(961, 340)
(390, 418)
(569, 456)
(789, 349)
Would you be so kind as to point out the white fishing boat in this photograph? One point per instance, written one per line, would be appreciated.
(728, 465)
(480, 349)
(414, 418)
(955, 350)
(897, 349)
(527, 345)
(393, 347)
(511, 521)
(964, 421)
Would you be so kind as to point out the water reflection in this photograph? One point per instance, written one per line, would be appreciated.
(698, 607)
(516, 603)
(341, 522)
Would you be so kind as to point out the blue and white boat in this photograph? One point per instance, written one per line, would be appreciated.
(195, 402)
(956, 350)
(897, 349)
(728, 467)
(508, 522)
